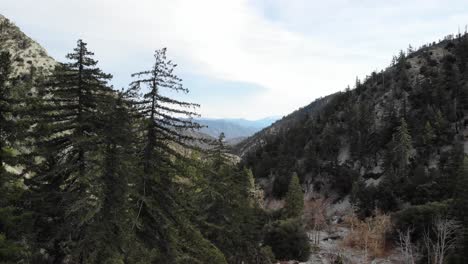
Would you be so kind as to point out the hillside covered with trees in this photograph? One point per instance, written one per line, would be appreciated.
(395, 144)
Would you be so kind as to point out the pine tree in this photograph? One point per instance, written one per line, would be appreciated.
(65, 188)
(402, 148)
(402, 74)
(197, 194)
(218, 152)
(229, 212)
(429, 135)
(255, 193)
(294, 198)
(5, 105)
(449, 92)
(6, 108)
(113, 222)
(10, 213)
(163, 122)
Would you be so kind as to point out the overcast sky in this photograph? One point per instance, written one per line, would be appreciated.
(241, 58)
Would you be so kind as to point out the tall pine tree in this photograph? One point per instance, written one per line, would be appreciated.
(294, 198)
(69, 133)
(401, 148)
(10, 213)
(161, 222)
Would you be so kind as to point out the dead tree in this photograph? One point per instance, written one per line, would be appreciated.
(440, 239)
(406, 246)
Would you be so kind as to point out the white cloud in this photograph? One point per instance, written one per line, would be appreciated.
(309, 50)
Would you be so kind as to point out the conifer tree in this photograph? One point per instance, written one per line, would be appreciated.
(113, 222)
(449, 90)
(428, 139)
(65, 188)
(429, 135)
(402, 74)
(6, 123)
(10, 215)
(163, 122)
(294, 198)
(229, 214)
(402, 148)
(218, 152)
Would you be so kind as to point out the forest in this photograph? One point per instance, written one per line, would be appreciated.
(93, 174)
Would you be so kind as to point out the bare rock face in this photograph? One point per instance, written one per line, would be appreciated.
(27, 55)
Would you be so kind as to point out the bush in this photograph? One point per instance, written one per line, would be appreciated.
(268, 254)
(288, 240)
(370, 234)
(10, 251)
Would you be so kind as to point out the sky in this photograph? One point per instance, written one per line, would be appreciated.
(241, 58)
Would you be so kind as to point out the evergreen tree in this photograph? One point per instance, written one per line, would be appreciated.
(429, 135)
(228, 210)
(218, 152)
(161, 221)
(288, 240)
(111, 229)
(449, 90)
(65, 188)
(6, 122)
(428, 139)
(11, 215)
(402, 147)
(294, 198)
(402, 75)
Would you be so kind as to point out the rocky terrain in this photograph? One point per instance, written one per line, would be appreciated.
(27, 54)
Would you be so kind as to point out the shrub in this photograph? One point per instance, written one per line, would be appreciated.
(267, 253)
(315, 213)
(370, 234)
(288, 240)
(10, 251)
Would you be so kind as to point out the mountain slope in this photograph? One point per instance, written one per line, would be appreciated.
(354, 135)
(280, 126)
(27, 55)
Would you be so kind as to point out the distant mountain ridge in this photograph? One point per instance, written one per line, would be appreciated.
(233, 128)
(258, 123)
